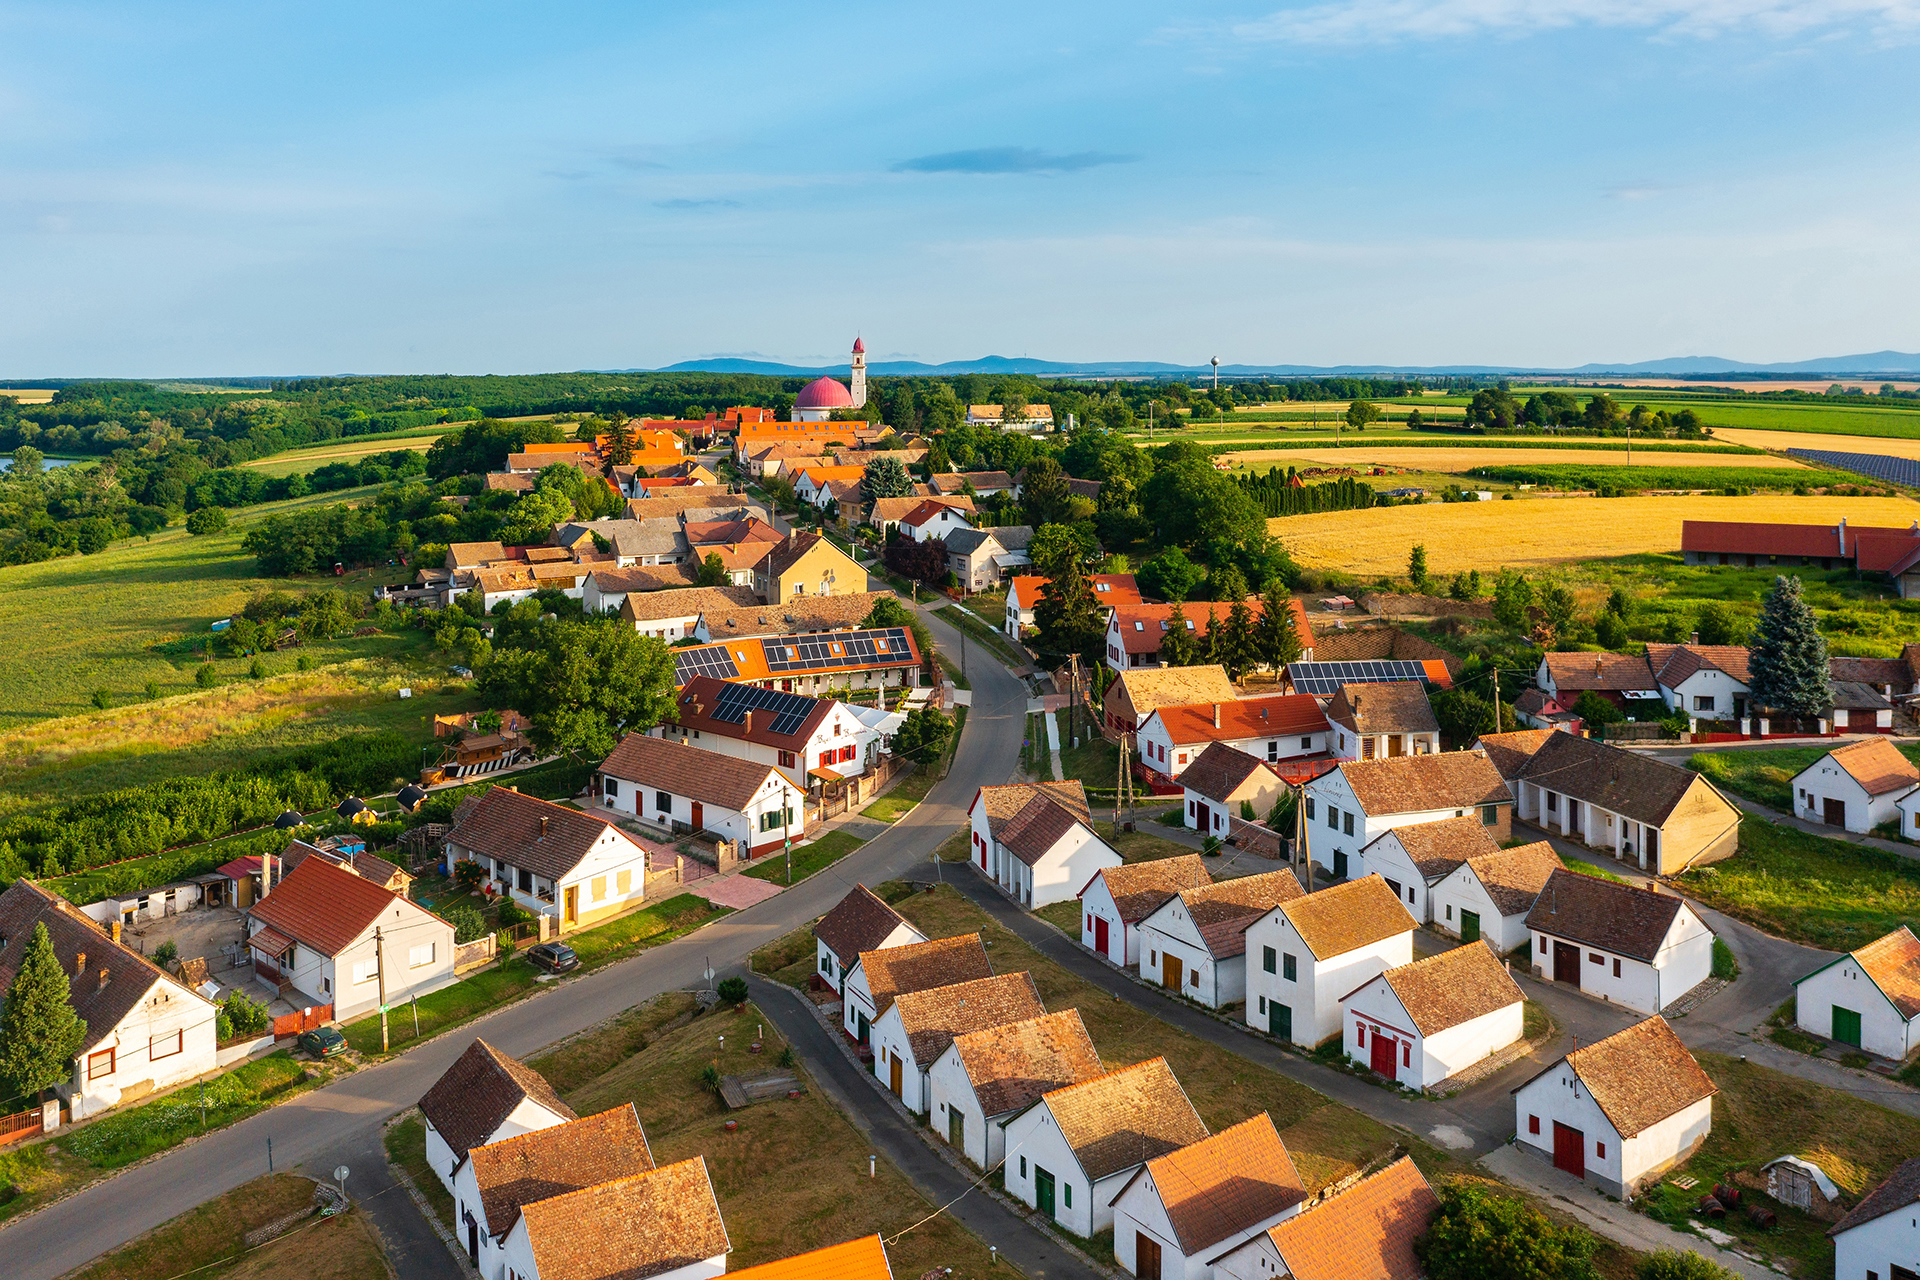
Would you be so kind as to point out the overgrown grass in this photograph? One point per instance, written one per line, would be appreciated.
(983, 633)
(1765, 775)
(134, 1133)
(1823, 892)
(1588, 869)
(807, 858)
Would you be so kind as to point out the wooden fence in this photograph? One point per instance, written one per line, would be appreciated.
(286, 1026)
(21, 1125)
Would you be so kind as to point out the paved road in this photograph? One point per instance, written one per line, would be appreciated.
(342, 1123)
(1031, 1250)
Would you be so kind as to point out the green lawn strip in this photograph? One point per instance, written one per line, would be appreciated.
(1064, 916)
(1812, 889)
(134, 1133)
(985, 633)
(954, 673)
(1096, 762)
(208, 1235)
(807, 858)
(1580, 868)
(905, 795)
(1639, 476)
(1765, 775)
(406, 1142)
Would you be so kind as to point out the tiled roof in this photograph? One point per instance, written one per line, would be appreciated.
(687, 602)
(1440, 848)
(1621, 918)
(707, 776)
(1573, 673)
(1222, 911)
(859, 922)
(1510, 751)
(1452, 987)
(699, 700)
(700, 533)
(545, 838)
(1366, 1231)
(1142, 625)
(1673, 663)
(932, 1018)
(1388, 707)
(1887, 671)
(1228, 1183)
(894, 510)
(1893, 962)
(930, 509)
(797, 545)
(1010, 1066)
(1125, 1118)
(1902, 1188)
(1742, 537)
(1286, 715)
(531, 1167)
(1876, 765)
(471, 553)
(1145, 689)
(101, 1004)
(1411, 784)
(323, 906)
(1002, 803)
(968, 542)
(1640, 1076)
(673, 503)
(1220, 771)
(921, 966)
(1342, 917)
(629, 1228)
(1140, 889)
(1852, 695)
(1033, 832)
(1623, 782)
(479, 1091)
(613, 580)
(862, 1259)
(1513, 878)
(1376, 644)
(801, 613)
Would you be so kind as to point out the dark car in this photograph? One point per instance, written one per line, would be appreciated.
(554, 957)
(322, 1042)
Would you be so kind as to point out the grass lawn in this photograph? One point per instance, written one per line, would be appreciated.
(1064, 916)
(1328, 1141)
(1096, 762)
(907, 793)
(133, 1133)
(1760, 1114)
(349, 449)
(791, 959)
(1580, 868)
(1823, 892)
(1137, 845)
(210, 1241)
(807, 858)
(984, 633)
(1765, 775)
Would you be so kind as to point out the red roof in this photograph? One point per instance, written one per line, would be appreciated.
(1743, 537)
(323, 906)
(1291, 713)
(860, 346)
(1881, 552)
(1152, 620)
(1106, 588)
(700, 698)
(930, 510)
(824, 393)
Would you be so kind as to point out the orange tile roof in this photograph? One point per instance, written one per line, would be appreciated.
(1877, 765)
(645, 1224)
(862, 1259)
(1223, 1185)
(518, 1171)
(1342, 917)
(1125, 1118)
(921, 966)
(1280, 716)
(1142, 888)
(1893, 962)
(932, 1018)
(1451, 987)
(1364, 1233)
(323, 906)
(1640, 1076)
(1010, 1066)
(1199, 614)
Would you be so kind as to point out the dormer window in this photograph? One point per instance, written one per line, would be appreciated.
(1189, 625)
(1139, 626)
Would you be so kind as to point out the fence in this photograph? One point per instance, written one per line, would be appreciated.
(21, 1125)
(288, 1025)
(1254, 838)
(470, 955)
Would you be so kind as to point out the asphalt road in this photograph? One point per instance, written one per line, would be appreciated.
(342, 1123)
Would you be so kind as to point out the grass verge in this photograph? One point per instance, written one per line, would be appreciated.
(1808, 888)
(122, 1137)
(1764, 776)
(983, 633)
(807, 858)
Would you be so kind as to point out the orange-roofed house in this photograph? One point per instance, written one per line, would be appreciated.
(1182, 1210)
(1856, 787)
(1868, 998)
(1134, 631)
(862, 1259)
(814, 484)
(1364, 1233)
(1023, 594)
(1270, 729)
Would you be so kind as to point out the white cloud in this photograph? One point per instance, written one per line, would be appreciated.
(1379, 21)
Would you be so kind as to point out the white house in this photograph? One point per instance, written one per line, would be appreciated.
(994, 807)
(576, 867)
(911, 1035)
(345, 941)
(1378, 721)
(1314, 950)
(1117, 899)
(485, 1097)
(1195, 944)
(1490, 895)
(1625, 945)
(1275, 729)
(1709, 681)
(1225, 783)
(1046, 853)
(1855, 787)
(878, 978)
(1421, 1023)
(1023, 596)
(1412, 860)
(592, 1231)
(1655, 815)
(811, 740)
(1069, 1154)
(1860, 708)
(145, 1030)
(933, 519)
(664, 783)
(1619, 1112)
(675, 614)
(861, 922)
(1868, 998)
(1368, 1230)
(986, 1078)
(1869, 1243)
(1182, 1210)
(1347, 808)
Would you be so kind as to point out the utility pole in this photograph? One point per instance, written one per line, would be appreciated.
(1301, 825)
(380, 969)
(786, 838)
(1119, 784)
(1496, 692)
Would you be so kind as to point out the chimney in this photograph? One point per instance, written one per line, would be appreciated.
(1216, 715)
(103, 980)
(1694, 639)
(1843, 535)
(80, 963)
(266, 874)
(543, 826)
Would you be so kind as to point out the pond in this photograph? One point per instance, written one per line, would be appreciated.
(6, 463)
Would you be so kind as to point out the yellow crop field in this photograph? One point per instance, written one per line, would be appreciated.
(1467, 458)
(1894, 446)
(1487, 535)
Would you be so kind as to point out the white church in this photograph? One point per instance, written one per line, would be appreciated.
(822, 396)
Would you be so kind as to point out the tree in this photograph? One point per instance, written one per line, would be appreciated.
(1056, 546)
(920, 561)
(582, 683)
(1228, 583)
(713, 572)
(1170, 576)
(1044, 493)
(1230, 641)
(886, 478)
(468, 875)
(888, 612)
(39, 1030)
(1512, 597)
(619, 442)
(1179, 646)
(1788, 658)
(468, 924)
(1417, 565)
(1596, 710)
(1275, 642)
(1618, 601)
(1360, 413)
(1478, 1236)
(28, 462)
(1716, 624)
(1558, 604)
(1610, 629)
(207, 520)
(1462, 715)
(923, 736)
(1065, 616)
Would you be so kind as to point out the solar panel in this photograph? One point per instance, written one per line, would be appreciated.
(1878, 465)
(828, 650)
(789, 710)
(712, 660)
(1323, 679)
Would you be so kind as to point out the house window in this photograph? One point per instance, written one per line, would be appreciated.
(526, 880)
(1023, 1166)
(1406, 1053)
(775, 819)
(1273, 748)
(1289, 969)
(1449, 911)
(1194, 975)
(365, 971)
(1703, 702)
(1533, 1124)
(420, 956)
(1347, 823)
(786, 759)
(1066, 1189)
(1600, 1150)
(1306, 744)
(1553, 802)
(1333, 818)
(1153, 957)
(623, 883)
(1267, 957)
(848, 753)
(1310, 811)
(166, 1046)
(599, 888)
(613, 787)
(1489, 814)
(1616, 968)
(1594, 959)
(100, 1065)
(826, 758)
(1360, 1037)
(663, 802)
(1263, 1004)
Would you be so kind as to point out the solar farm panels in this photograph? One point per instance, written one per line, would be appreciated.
(1323, 679)
(1880, 466)
(832, 649)
(790, 710)
(710, 660)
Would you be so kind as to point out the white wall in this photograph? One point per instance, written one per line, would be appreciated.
(949, 1088)
(1159, 751)
(1314, 994)
(1664, 1144)
(1558, 1095)
(168, 1015)
(1704, 683)
(1684, 961)
(1844, 985)
(1824, 780)
(834, 968)
(1211, 981)
(1429, 1059)
(1461, 892)
(640, 799)
(856, 999)
(1330, 791)
(890, 1042)
(1123, 940)
(1873, 1247)
(1387, 858)
(1141, 1209)
(1065, 869)
(1034, 1142)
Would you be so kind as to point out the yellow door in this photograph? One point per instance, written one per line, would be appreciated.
(570, 913)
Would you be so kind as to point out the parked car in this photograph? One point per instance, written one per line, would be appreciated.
(322, 1042)
(465, 673)
(554, 957)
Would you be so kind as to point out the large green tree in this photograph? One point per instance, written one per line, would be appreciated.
(1044, 494)
(1231, 642)
(1179, 645)
(1056, 546)
(1478, 1236)
(582, 684)
(1512, 597)
(886, 478)
(1170, 576)
(1788, 657)
(1275, 643)
(39, 1030)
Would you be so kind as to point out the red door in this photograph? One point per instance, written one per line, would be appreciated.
(1569, 1150)
(1202, 820)
(1100, 934)
(1386, 1056)
(699, 817)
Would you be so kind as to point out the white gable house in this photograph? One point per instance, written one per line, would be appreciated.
(483, 1098)
(1490, 894)
(1315, 949)
(1621, 944)
(1118, 899)
(920, 1025)
(1856, 787)
(1354, 804)
(1880, 1239)
(1868, 998)
(1195, 945)
(1419, 1024)
(862, 922)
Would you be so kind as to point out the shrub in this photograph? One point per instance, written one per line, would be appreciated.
(102, 699)
(257, 671)
(1210, 847)
(468, 924)
(246, 1017)
(734, 990)
(153, 688)
(1725, 966)
(1676, 1264)
(710, 1079)
(1477, 1236)
(166, 953)
(468, 874)
(207, 520)
(205, 677)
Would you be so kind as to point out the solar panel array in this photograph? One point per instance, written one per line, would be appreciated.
(1880, 466)
(713, 660)
(835, 649)
(1323, 679)
(790, 710)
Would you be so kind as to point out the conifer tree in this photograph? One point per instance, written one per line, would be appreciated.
(39, 1031)
(1178, 646)
(1789, 655)
(1275, 643)
(1233, 641)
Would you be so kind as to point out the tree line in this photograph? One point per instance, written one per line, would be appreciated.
(1279, 493)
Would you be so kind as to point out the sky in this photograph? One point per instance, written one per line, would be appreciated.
(210, 189)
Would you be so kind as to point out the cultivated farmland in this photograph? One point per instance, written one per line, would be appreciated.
(1893, 446)
(1486, 535)
(1467, 457)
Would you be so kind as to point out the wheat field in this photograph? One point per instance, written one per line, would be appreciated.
(1895, 446)
(1467, 458)
(1487, 535)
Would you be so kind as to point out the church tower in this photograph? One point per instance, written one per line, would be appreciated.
(859, 373)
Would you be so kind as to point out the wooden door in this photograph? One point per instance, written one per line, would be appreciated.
(1339, 864)
(1469, 926)
(1833, 812)
(572, 907)
(1202, 820)
(1170, 971)
(1569, 1150)
(1146, 1257)
(699, 816)
(1846, 1026)
(894, 1075)
(865, 1026)
(1280, 1021)
(1043, 1190)
(956, 1128)
(1396, 745)
(1100, 934)
(1566, 964)
(1386, 1056)
(473, 1239)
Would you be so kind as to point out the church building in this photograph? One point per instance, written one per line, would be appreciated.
(819, 398)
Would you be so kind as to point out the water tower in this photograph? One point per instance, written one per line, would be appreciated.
(1216, 373)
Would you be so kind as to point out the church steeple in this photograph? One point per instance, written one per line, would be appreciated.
(859, 373)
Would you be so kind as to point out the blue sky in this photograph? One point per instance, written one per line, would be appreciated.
(210, 189)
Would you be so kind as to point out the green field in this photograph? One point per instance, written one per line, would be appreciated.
(1581, 476)
(1751, 413)
(349, 449)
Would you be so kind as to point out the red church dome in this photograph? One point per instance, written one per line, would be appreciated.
(824, 393)
(859, 346)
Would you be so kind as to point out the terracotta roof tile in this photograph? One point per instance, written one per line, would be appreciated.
(1893, 962)
(1138, 692)
(1640, 1076)
(1222, 911)
(1877, 765)
(545, 838)
(323, 905)
(531, 1167)
(1745, 537)
(1125, 1118)
(1888, 671)
(1510, 752)
(1409, 784)
(860, 922)
(1673, 663)
(1002, 803)
(1441, 848)
(1040, 825)
(803, 613)
(706, 776)
(1011, 1066)
(921, 966)
(1228, 1183)
(479, 1091)
(1902, 1188)
(1513, 878)
(862, 1259)
(1573, 673)
(629, 1228)
(1201, 614)
(1220, 771)
(1278, 717)
(1387, 707)
(932, 1018)
(1364, 1233)
(1621, 918)
(1341, 917)
(1452, 987)
(685, 602)
(1140, 889)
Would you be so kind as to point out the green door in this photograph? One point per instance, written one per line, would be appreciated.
(864, 1025)
(1280, 1021)
(1339, 864)
(1846, 1026)
(1043, 1190)
(1469, 926)
(956, 1128)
